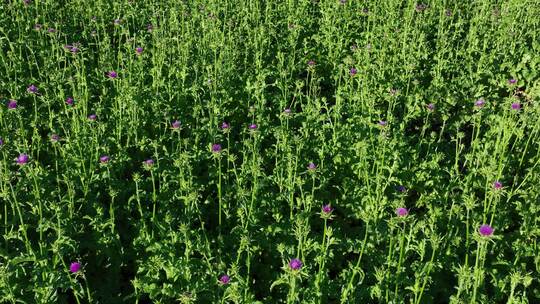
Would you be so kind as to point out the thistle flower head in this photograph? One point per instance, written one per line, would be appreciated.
(402, 211)
(516, 106)
(112, 74)
(252, 127)
(32, 89)
(92, 117)
(311, 166)
(12, 104)
(70, 47)
(479, 103)
(139, 50)
(353, 71)
(382, 123)
(497, 185)
(216, 148)
(104, 159)
(311, 63)
(55, 137)
(485, 230)
(75, 267)
(430, 107)
(175, 124)
(512, 81)
(224, 279)
(22, 159)
(287, 111)
(69, 101)
(295, 264)
(1, 142)
(327, 209)
(37, 26)
(401, 188)
(148, 163)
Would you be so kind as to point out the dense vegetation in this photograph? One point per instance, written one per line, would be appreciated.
(265, 151)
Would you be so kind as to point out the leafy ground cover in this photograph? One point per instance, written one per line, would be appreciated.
(229, 151)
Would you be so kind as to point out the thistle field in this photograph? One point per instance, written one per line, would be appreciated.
(266, 151)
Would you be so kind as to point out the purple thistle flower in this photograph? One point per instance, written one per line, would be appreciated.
(448, 13)
(22, 159)
(26, 2)
(479, 103)
(401, 188)
(139, 50)
(74, 50)
(252, 127)
(287, 111)
(327, 209)
(117, 21)
(32, 89)
(365, 10)
(69, 101)
(51, 30)
(216, 148)
(485, 230)
(175, 124)
(311, 166)
(1, 142)
(342, 1)
(104, 159)
(382, 123)
(295, 264)
(92, 117)
(516, 106)
(148, 163)
(112, 74)
(55, 138)
(225, 126)
(497, 185)
(149, 27)
(224, 279)
(311, 63)
(402, 211)
(353, 71)
(12, 104)
(512, 81)
(431, 107)
(75, 267)
(37, 26)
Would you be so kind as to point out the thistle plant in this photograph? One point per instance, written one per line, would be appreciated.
(269, 152)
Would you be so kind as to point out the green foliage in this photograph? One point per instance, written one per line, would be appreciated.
(403, 129)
